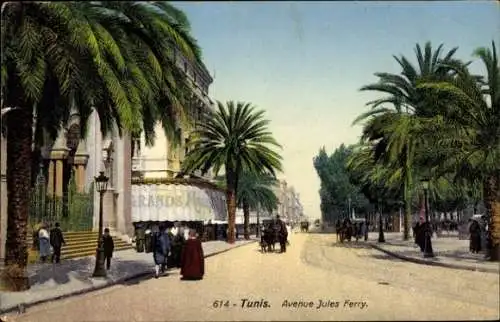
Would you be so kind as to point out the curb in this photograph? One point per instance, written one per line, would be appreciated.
(425, 262)
(21, 307)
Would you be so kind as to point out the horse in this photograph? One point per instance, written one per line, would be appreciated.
(269, 239)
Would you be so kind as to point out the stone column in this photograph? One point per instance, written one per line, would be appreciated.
(80, 162)
(59, 153)
(58, 156)
(50, 181)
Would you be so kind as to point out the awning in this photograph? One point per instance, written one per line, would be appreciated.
(176, 202)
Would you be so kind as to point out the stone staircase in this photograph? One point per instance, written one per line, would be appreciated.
(83, 243)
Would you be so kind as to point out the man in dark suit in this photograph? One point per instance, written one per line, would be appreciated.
(109, 247)
(282, 233)
(56, 241)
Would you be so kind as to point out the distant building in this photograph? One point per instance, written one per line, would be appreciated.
(289, 205)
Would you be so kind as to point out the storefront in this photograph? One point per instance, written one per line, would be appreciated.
(182, 203)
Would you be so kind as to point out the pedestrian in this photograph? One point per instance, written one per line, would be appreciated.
(109, 247)
(338, 228)
(475, 237)
(56, 241)
(288, 232)
(192, 258)
(356, 230)
(282, 234)
(349, 230)
(186, 230)
(170, 258)
(420, 234)
(44, 242)
(161, 250)
(177, 244)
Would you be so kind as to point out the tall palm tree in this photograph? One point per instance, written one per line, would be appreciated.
(235, 137)
(393, 128)
(469, 132)
(255, 192)
(84, 56)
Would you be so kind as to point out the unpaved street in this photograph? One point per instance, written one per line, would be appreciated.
(348, 283)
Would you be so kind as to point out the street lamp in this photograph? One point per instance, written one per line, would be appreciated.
(427, 226)
(381, 238)
(101, 182)
(349, 207)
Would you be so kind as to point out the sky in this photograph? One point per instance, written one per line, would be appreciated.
(304, 62)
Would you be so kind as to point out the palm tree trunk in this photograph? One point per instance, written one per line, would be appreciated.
(19, 141)
(231, 213)
(246, 220)
(407, 198)
(491, 189)
(257, 234)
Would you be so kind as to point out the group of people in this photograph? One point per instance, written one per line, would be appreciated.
(346, 230)
(49, 243)
(171, 249)
(276, 231)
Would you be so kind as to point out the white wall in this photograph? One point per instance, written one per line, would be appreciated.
(155, 157)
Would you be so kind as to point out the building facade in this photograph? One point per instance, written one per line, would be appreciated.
(289, 206)
(163, 160)
(70, 162)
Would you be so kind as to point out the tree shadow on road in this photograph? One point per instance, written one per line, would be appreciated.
(81, 269)
(383, 257)
(351, 245)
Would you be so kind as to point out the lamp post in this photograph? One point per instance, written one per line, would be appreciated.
(101, 185)
(428, 252)
(381, 238)
(349, 215)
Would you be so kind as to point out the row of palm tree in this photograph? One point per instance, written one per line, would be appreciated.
(436, 121)
(235, 139)
(116, 59)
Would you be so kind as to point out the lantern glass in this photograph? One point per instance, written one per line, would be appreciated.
(425, 184)
(101, 182)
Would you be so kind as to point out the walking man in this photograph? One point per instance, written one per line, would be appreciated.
(56, 241)
(161, 250)
(282, 234)
(109, 247)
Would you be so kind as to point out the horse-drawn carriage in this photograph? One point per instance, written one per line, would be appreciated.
(304, 226)
(350, 228)
(272, 233)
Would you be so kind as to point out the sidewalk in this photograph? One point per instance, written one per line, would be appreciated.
(73, 277)
(449, 252)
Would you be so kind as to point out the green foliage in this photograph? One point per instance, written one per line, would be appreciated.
(336, 186)
(257, 191)
(236, 137)
(434, 120)
(117, 58)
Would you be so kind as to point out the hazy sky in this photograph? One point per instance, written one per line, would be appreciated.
(303, 62)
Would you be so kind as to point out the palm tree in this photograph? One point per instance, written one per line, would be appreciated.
(235, 137)
(469, 132)
(84, 56)
(393, 128)
(255, 192)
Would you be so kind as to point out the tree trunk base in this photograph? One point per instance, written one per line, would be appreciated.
(14, 279)
(494, 255)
